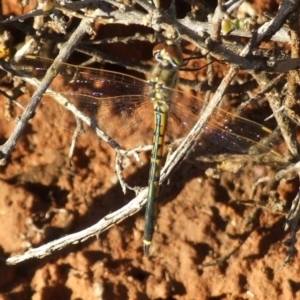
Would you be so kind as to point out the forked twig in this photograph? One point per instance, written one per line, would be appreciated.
(108, 221)
(64, 54)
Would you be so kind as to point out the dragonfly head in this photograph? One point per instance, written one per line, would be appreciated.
(168, 55)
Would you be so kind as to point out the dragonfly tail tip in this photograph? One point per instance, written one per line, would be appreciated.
(146, 247)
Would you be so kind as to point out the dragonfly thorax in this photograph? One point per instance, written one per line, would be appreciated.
(164, 76)
(161, 106)
(161, 96)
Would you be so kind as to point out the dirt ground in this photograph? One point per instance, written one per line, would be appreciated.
(212, 240)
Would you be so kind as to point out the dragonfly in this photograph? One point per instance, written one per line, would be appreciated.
(113, 99)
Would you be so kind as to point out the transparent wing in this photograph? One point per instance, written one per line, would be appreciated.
(223, 128)
(122, 108)
(118, 103)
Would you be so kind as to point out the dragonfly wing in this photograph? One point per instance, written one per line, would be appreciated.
(223, 128)
(128, 120)
(118, 103)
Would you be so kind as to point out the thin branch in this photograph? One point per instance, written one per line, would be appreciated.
(105, 223)
(64, 54)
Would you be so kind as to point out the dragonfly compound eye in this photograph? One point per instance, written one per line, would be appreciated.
(168, 54)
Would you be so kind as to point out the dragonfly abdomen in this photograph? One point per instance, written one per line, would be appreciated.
(161, 119)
